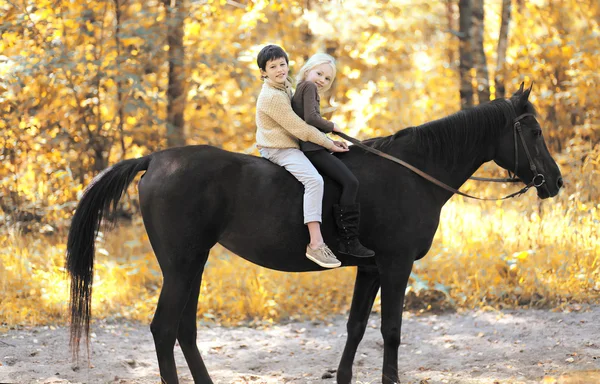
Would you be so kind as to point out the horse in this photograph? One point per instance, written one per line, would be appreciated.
(193, 197)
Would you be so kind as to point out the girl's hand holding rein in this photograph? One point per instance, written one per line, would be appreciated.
(339, 146)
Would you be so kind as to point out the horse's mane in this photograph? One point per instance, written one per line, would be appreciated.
(455, 135)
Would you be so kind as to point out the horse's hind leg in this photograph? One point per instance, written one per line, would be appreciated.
(186, 335)
(365, 291)
(180, 277)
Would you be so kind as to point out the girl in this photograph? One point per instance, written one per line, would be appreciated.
(278, 133)
(314, 79)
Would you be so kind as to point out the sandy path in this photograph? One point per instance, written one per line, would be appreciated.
(525, 346)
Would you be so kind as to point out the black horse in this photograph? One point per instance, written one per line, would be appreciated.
(196, 196)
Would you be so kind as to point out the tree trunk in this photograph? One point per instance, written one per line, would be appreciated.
(119, 82)
(175, 93)
(482, 76)
(451, 52)
(499, 78)
(307, 36)
(466, 58)
(100, 153)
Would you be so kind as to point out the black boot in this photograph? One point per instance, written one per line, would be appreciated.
(347, 219)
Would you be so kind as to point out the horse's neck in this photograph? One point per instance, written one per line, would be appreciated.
(457, 163)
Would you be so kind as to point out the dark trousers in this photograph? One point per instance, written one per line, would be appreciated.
(332, 167)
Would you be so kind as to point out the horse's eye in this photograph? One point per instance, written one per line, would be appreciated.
(537, 132)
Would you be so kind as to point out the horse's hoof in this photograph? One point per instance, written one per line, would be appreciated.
(344, 377)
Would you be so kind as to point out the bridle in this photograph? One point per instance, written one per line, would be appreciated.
(512, 178)
(517, 130)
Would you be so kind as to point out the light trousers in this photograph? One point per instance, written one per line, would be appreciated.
(296, 163)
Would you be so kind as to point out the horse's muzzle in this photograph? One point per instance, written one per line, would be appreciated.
(548, 189)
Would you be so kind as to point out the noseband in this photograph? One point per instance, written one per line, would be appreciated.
(513, 177)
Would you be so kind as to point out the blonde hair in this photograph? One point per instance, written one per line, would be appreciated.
(313, 61)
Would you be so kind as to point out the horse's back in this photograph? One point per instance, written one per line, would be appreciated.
(255, 208)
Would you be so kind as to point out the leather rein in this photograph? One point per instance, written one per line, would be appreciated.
(517, 130)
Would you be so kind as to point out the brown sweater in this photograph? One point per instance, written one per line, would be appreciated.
(306, 105)
(277, 125)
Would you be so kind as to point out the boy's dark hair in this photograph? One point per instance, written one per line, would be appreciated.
(268, 53)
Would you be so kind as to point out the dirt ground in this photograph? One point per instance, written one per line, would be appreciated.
(524, 346)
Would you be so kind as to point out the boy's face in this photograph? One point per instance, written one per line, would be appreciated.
(276, 70)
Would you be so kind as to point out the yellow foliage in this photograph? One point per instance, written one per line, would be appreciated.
(127, 281)
(500, 254)
(80, 90)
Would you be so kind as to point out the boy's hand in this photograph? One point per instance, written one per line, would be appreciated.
(336, 128)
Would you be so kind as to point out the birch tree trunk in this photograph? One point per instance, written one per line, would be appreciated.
(465, 52)
(175, 93)
(500, 73)
(482, 78)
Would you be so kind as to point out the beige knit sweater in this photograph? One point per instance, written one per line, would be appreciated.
(277, 125)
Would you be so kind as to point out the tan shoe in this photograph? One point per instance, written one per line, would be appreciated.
(322, 256)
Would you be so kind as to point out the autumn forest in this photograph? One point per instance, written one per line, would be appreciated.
(85, 84)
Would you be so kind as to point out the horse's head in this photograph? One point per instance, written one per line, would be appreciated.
(530, 159)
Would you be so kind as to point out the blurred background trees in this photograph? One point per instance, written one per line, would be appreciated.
(84, 84)
(89, 83)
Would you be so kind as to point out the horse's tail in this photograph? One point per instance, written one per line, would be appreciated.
(100, 198)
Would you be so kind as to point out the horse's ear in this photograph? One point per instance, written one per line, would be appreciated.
(522, 94)
(519, 92)
(525, 95)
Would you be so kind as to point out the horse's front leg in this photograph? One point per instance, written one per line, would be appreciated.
(394, 278)
(365, 290)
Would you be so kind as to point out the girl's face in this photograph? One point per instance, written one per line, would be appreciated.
(276, 70)
(321, 75)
